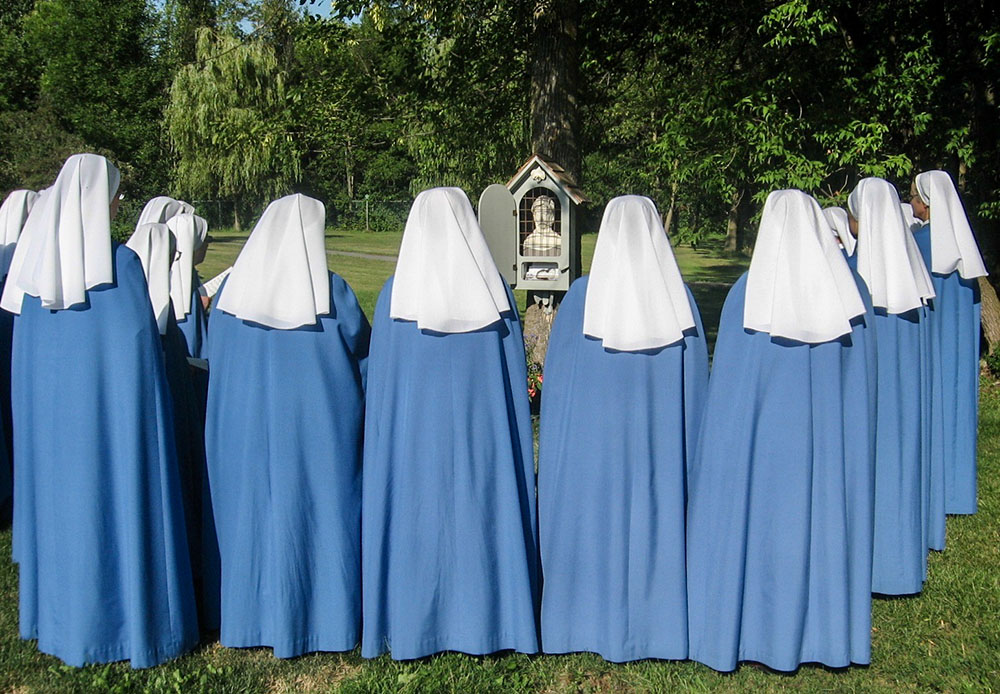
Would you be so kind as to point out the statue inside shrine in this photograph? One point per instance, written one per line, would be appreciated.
(544, 240)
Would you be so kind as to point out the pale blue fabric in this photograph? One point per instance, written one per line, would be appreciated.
(617, 432)
(194, 326)
(934, 509)
(903, 450)
(449, 535)
(779, 535)
(283, 440)
(6, 426)
(189, 426)
(99, 522)
(954, 326)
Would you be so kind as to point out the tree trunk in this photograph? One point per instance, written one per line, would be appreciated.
(668, 220)
(236, 216)
(554, 62)
(991, 314)
(733, 240)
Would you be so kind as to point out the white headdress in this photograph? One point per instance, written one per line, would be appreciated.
(151, 242)
(189, 232)
(160, 209)
(446, 279)
(13, 214)
(280, 278)
(888, 257)
(799, 285)
(65, 246)
(837, 217)
(953, 246)
(636, 297)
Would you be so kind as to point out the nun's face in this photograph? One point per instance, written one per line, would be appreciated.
(115, 202)
(852, 224)
(920, 210)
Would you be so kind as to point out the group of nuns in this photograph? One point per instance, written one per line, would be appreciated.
(329, 483)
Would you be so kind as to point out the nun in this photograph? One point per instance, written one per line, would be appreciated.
(626, 375)
(98, 519)
(155, 246)
(780, 493)
(286, 394)
(449, 530)
(13, 213)
(949, 249)
(888, 261)
(190, 232)
(840, 224)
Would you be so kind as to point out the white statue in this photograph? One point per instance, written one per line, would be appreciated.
(544, 240)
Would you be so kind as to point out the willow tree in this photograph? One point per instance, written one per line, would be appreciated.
(230, 122)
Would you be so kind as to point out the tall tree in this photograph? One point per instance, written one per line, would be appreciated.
(230, 122)
(103, 78)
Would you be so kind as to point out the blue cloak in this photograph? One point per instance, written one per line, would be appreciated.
(283, 440)
(903, 517)
(6, 425)
(954, 322)
(617, 430)
(448, 530)
(189, 434)
(779, 535)
(99, 522)
(194, 326)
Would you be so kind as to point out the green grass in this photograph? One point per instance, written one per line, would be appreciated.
(945, 640)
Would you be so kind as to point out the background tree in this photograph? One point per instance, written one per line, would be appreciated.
(230, 122)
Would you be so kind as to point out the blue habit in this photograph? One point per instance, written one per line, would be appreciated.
(99, 523)
(954, 326)
(189, 426)
(780, 501)
(6, 425)
(283, 439)
(902, 452)
(450, 558)
(194, 326)
(617, 430)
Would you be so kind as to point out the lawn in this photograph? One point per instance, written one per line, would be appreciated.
(945, 640)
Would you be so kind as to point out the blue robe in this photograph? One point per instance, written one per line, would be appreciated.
(780, 501)
(99, 522)
(617, 430)
(6, 426)
(903, 452)
(189, 426)
(283, 440)
(194, 325)
(450, 560)
(954, 322)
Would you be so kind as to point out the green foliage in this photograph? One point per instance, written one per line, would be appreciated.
(102, 79)
(230, 122)
(993, 362)
(19, 72)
